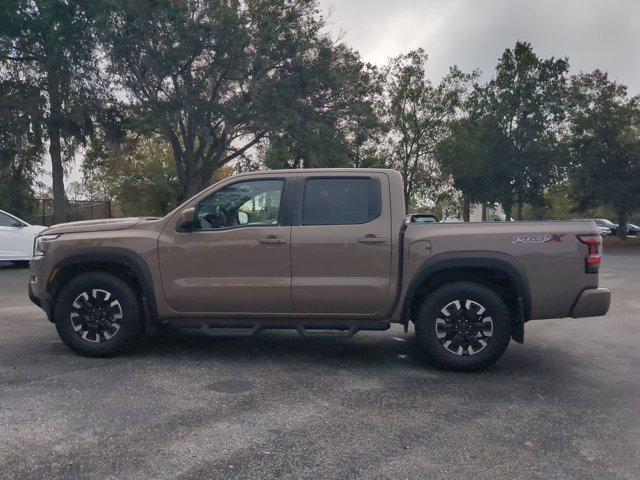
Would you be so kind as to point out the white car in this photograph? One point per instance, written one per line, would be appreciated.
(16, 239)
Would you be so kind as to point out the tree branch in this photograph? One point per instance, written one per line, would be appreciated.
(241, 151)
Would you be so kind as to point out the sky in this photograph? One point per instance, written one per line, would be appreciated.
(474, 33)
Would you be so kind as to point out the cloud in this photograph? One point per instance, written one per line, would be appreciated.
(473, 34)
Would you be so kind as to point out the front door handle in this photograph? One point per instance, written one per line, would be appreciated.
(371, 238)
(272, 240)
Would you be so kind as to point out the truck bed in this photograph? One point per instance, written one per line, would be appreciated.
(548, 254)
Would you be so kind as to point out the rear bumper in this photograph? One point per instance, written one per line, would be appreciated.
(593, 302)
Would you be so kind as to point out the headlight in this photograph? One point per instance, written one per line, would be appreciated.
(40, 244)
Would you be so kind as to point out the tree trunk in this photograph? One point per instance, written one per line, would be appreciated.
(407, 198)
(189, 187)
(507, 207)
(520, 205)
(55, 152)
(466, 209)
(622, 226)
(312, 159)
(484, 212)
(190, 181)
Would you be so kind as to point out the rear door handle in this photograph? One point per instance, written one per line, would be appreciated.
(372, 239)
(272, 240)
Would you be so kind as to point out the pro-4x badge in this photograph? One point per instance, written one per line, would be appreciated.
(529, 239)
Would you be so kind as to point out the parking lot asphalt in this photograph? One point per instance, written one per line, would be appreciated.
(565, 405)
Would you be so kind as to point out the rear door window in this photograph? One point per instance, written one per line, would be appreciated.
(341, 201)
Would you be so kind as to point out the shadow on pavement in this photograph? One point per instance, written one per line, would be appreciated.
(12, 266)
(370, 350)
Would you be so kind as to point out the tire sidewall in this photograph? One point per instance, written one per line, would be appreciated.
(131, 325)
(430, 310)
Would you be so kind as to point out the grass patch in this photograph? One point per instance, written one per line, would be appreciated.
(615, 242)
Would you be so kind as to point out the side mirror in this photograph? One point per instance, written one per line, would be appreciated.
(18, 224)
(243, 218)
(187, 219)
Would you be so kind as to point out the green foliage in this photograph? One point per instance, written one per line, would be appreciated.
(215, 78)
(417, 116)
(470, 155)
(556, 204)
(48, 52)
(16, 191)
(20, 146)
(527, 102)
(517, 133)
(310, 144)
(334, 122)
(605, 145)
(139, 175)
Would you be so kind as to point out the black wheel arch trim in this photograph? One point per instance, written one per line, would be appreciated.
(123, 258)
(481, 259)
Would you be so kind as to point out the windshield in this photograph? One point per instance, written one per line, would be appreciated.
(8, 220)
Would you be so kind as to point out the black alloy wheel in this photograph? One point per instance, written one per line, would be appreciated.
(463, 326)
(98, 315)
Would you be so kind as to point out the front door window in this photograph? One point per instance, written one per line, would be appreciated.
(254, 203)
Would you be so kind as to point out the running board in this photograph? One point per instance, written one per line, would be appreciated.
(304, 330)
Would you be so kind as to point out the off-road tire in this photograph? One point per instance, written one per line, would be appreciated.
(68, 321)
(431, 314)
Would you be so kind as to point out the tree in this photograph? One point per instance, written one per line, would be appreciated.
(337, 122)
(474, 161)
(20, 146)
(49, 48)
(138, 174)
(527, 101)
(417, 116)
(605, 146)
(216, 77)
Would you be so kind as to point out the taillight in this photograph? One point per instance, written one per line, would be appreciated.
(594, 245)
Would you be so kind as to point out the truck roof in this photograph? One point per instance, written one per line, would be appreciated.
(316, 170)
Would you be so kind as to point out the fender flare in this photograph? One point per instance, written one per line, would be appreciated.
(502, 262)
(123, 258)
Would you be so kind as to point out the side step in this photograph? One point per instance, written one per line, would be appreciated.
(346, 330)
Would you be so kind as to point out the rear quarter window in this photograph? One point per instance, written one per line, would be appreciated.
(341, 201)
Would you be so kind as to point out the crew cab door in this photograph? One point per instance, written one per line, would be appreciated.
(341, 245)
(236, 258)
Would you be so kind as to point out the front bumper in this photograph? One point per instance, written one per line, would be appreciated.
(33, 297)
(38, 293)
(593, 302)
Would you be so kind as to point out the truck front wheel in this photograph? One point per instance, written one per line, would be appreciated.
(463, 326)
(97, 315)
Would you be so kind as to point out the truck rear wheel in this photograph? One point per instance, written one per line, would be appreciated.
(97, 315)
(463, 326)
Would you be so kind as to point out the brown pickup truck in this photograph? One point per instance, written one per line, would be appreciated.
(316, 251)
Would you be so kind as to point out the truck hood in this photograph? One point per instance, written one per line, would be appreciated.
(106, 224)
